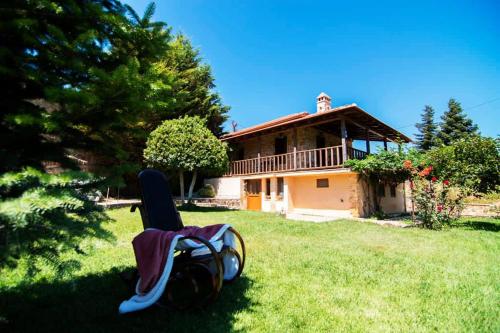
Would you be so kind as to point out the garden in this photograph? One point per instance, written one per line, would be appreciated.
(95, 92)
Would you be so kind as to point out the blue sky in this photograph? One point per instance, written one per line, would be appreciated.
(272, 58)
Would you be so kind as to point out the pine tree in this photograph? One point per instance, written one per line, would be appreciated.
(455, 124)
(93, 79)
(426, 139)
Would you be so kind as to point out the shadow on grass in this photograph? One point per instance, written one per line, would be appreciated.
(485, 224)
(90, 304)
(194, 208)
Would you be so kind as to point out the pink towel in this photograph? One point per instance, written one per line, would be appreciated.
(152, 246)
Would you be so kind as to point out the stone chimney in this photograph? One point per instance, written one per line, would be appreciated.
(323, 103)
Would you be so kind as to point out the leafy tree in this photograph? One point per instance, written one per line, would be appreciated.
(473, 163)
(426, 139)
(185, 144)
(455, 125)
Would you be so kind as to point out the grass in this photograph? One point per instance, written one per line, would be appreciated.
(341, 276)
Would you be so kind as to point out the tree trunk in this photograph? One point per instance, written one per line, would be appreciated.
(181, 182)
(191, 186)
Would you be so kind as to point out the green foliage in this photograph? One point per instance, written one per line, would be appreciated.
(438, 203)
(386, 166)
(185, 145)
(473, 163)
(455, 124)
(44, 215)
(94, 78)
(207, 191)
(426, 139)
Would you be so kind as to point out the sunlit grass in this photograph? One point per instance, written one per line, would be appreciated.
(338, 276)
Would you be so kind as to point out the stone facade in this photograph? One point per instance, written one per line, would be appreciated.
(301, 138)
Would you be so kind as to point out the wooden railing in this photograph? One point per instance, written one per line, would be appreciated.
(321, 158)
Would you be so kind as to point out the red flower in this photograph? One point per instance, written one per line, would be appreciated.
(434, 179)
(439, 208)
(407, 164)
(446, 182)
(425, 172)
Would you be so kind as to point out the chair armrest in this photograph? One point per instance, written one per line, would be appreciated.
(134, 206)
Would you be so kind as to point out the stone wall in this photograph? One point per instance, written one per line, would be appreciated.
(482, 210)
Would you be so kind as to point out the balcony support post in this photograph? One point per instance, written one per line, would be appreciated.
(367, 141)
(385, 144)
(258, 162)
(343, 135)
(294, 158)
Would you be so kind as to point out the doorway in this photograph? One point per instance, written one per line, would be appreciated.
(254, 195)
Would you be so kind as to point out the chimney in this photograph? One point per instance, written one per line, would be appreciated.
(323, 103)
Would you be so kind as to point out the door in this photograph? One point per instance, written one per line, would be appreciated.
(253, 191)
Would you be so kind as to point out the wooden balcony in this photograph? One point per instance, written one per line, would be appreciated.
(312, 159)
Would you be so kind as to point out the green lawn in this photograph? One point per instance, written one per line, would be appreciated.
(339, 276)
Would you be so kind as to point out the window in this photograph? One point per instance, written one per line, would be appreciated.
(253, 186)
(322, 182)
(381, 190)
(268, 187)
(281, 186)
(280, 145)
(393, 191)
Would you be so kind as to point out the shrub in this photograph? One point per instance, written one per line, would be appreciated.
(472, 163)
(43, 215)
(207, 191)
(438, 202)
(186, 144)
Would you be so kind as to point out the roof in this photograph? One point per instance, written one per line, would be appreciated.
(357, 121)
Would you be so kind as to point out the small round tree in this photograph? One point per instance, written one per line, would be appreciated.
(185, 145)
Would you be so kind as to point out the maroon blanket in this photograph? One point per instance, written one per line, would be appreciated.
(152, 247)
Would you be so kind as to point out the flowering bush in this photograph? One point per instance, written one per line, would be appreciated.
(438, 202)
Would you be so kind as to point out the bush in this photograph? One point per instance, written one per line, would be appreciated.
(43, 215)
(438, 202)
(207, 191)
(472, 163)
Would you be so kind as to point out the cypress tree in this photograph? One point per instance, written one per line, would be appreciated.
(455, 124)
(426, 139)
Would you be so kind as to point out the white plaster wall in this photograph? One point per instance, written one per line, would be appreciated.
(226, 187)
(395, 204)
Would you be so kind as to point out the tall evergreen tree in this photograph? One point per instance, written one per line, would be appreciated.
(426, 139)
(93, 78)
(455, 124)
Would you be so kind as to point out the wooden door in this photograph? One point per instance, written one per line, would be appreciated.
(254, 196)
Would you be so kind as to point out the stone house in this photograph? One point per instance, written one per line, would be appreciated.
(294, 165)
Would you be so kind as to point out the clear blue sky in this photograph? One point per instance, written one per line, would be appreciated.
(272, 58)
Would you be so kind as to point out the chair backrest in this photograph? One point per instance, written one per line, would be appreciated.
(158, 206)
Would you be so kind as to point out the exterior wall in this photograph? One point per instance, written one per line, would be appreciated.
(392, 205)
(226, 187)
(340, 196)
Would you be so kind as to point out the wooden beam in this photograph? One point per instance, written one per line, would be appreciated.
(367, 132)
(343, 135)
(369, 129)
(385, 143)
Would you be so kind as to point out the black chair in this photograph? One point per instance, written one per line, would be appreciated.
(195, 281)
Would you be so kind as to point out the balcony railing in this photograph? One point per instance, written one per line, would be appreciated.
(321, 158)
